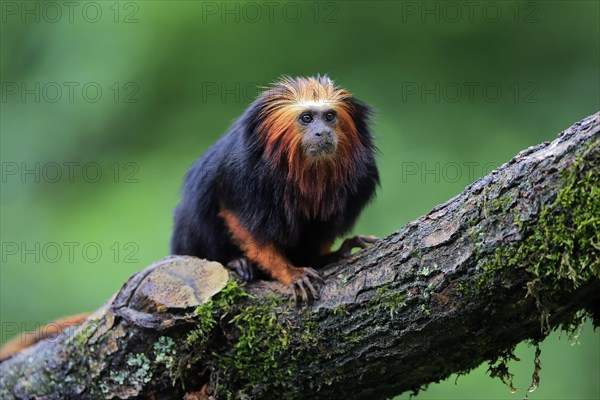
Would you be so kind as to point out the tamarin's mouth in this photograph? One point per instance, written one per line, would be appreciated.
(325, 147)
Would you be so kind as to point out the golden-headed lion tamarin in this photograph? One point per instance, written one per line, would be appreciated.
(290, 176)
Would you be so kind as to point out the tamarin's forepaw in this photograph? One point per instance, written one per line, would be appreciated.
(243, 267)
(357, 241)
(302, 286)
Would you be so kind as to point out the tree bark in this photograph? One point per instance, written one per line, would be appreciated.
(514, 256)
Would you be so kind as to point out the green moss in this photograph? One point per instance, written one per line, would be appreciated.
(309, 333)
(80, 340)
(391, 302)
(260, 338)
(467, 289)
(340, 310)
(253, 366)
(562, 250)
(500, 204)
(498, 368)
(207, 313)
(82, 372)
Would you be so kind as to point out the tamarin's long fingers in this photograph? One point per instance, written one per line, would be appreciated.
(297, 287)
(364, 241)
(300, 287)
(312, 289)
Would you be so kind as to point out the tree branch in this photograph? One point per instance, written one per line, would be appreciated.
(512, 257)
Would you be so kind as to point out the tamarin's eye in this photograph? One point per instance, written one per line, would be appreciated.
(330, 116)
(306, 118)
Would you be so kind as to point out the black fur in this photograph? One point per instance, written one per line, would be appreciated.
(234, 173)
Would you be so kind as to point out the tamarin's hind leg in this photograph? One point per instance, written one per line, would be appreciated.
(360, 241)
(243, 267)
(272, 260)
(345, 249)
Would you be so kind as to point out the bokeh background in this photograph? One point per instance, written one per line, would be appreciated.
(106, 104)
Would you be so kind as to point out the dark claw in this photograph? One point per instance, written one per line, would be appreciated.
(312, 289)
(243, 267)
(314, 274)
(299, 287)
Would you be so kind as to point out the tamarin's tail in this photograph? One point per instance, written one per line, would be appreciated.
(27, 339)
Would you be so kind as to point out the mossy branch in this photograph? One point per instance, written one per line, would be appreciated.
(514, 256)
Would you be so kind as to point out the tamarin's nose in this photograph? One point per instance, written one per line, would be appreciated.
(323, 134)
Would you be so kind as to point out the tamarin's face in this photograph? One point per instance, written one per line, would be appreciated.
(317, 126)
(306, 121)
(315, 134)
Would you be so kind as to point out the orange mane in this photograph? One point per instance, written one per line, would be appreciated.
(316, 178)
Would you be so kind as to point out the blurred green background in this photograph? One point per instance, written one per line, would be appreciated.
(106, 104)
